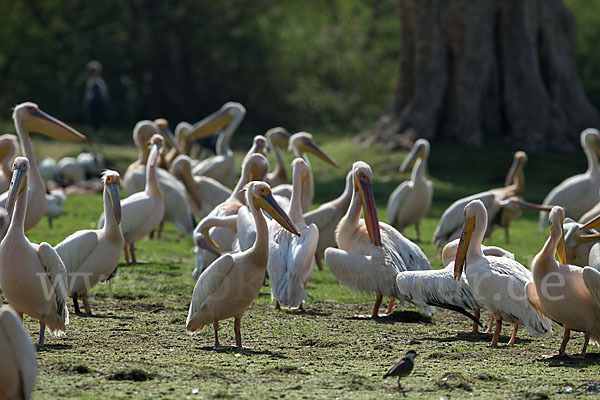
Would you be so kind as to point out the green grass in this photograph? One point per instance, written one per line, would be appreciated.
(136, 346)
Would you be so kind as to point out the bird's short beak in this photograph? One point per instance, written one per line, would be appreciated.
(370, 210)
(514, 168)
(210, 125)
(561, 249)
(113, 189)
(463, 246)
(413, 156)
(311, 147)
(207, 243)
(269, 205)
(18, 183)
(39, 121)
(525, 205)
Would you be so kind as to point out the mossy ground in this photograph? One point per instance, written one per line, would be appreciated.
(135, 345)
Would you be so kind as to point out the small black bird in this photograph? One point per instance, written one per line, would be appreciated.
(402, 367)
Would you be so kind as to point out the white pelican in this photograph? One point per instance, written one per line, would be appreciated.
(48, 169)
(228, 286)
(579, 193)
(70, 172)
(567, 294)
(33, 277)
(18, 368)
(578, 242)
(205, 193)
(292, 256)
(278, 138)
(92, 255)
(222, 166)
(301, 143)
(371, 254)
(327, 217)
(411, 200)
(55, 202)
(29, 118)
(179, 211)
(8, 151)
(142, 211)
(254, 168)
(503, 205)
(498, 283)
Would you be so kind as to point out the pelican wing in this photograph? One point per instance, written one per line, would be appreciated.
(207, 284)
(397, 199)
(284, 190)
(363, 273)
(591, 278)
(134, 212)
(534, 299)
(217, 192)
(303, 263)
(76, 248)
(23, 349)
(321, 216)
(57, 275)
(453, 217)
(412, 256)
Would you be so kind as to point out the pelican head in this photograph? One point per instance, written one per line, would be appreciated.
(519, 161)
(112, 182)
(278, 137)
(300, 167)
(8, 147)
(557, 219)
(163, 128)
(18, 183)
(142, 133)
(420, 150)
(259, 194)
(259, 144)
(303, 142)
(474, 210)
(216, 121)
(590, 139)
(363, 177)
(32, 119)
(156, 145)
(203, 240)
(257, 166)
(181, 166)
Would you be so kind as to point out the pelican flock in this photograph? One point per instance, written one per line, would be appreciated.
(263, 232)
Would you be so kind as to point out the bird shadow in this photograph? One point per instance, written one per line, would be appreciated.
(305, 312)
(476, 338)
(564, 361)
(103, 316)
(53, 347)
(243, 350)
(402, 317)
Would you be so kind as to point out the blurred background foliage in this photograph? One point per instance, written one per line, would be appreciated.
(326, 65)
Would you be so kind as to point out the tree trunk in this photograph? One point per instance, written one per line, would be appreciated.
(470, 69)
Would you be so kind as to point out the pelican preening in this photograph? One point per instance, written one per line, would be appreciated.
(579, 193)
(498, 283)
(142, 211)
(92, 255)
(292, 256)
(371, 254)
(222, 166)
(29, 118)
(33, 277)
(411, 200)
(228, 286)
(18, 368)
(278, 138)
(8, 151)
(503, 205)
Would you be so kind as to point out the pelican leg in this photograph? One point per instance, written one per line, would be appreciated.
(476, 314)
(390, 306)
(50, 223)
(418, 240)
(42, 331)
(375, 312)
(506, 235)
(86, 304)
(563, 345)
(132, 251)
(160, 229)
(76, 304)
(126, 254)
(491, 324)
(277, 305)
(237, 322)
(216, 329)
(511, 342)
(496, 333)
(584, 349)
(319, 261)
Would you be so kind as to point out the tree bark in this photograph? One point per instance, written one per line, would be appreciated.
(471, 69)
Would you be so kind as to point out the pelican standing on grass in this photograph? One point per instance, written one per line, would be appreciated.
(371, 254)
(228, 286)
(29, 118)
(292, 256)
(498, 283)
(222, 166)
(92, 255)
(142, 212)
(33, 277)
(18, 368)
(411, 200)
(327, 218)
(8, 151)
(579, 193)
(568, 294)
